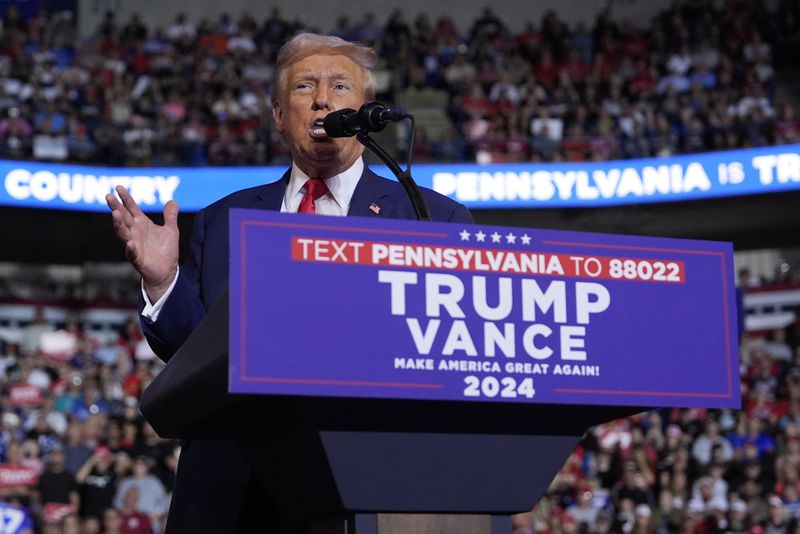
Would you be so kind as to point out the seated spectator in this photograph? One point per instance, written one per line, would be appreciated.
(460, 74)
(668, 515)
(31, 334)
(474, 105)
(543, 145)
(503, 88)
(754, 98)
(149, 496)
(16, 135)
(779, 518)
(547, 127)
(180, 28)
(680, 62)
(703, 76)
(575, 68)
(546, 70)
(450, 147)
(678, 82)
(25, 473)
(241, 43)
(80, 147)
(76, 450)
(225, 150)
(786, 130)
(132, 520)
(583, 511)
(226, 107)
(750, 433)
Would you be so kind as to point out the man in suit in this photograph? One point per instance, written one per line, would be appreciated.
(315, 75)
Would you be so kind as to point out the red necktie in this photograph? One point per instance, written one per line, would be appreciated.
(315, 188)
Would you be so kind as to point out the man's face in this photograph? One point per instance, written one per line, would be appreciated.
(316, 86)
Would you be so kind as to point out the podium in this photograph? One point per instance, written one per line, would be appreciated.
(344, 463)
(330, 459)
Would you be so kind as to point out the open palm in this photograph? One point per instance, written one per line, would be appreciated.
(151, 248)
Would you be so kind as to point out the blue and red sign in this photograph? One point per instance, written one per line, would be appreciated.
(351, 307)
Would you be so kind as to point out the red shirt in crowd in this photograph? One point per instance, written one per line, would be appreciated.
(135, 522)
(546, 71)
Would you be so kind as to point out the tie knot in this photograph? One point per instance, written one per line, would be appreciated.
(315, 188)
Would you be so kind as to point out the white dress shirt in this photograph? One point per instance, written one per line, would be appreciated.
(335, 202)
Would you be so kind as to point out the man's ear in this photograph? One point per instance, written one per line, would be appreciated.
(277, 116)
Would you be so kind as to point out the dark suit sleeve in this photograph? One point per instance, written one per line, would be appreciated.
(460, 214)
(442, 208)
(183, 309)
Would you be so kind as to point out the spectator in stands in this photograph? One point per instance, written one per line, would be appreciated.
(112, 521)
(16, 135)
(80, 147)
(76, 450)
(779, 519)
(57, 489)
(133, 520)
(97, 480)
(151, 498)
(705, 443)
(31, 335)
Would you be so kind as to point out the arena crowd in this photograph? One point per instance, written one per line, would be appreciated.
(701, 76)
(76, 455)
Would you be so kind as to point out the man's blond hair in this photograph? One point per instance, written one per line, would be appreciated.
(304, 45)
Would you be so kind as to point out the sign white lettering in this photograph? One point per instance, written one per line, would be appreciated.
(45, 186)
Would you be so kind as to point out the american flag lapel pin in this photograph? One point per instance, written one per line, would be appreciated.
(374, 208)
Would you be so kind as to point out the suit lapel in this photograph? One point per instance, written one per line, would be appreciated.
(270, 196)
(370, 197)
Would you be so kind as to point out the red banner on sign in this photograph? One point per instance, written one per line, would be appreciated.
(25, 395)
(456, 258)
(17, 475)
(53, 512)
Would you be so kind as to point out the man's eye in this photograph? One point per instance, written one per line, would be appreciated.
(341, 87)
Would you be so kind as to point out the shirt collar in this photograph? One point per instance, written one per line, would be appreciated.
(341, 186)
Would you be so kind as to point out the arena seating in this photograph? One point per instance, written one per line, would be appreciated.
(72, 359)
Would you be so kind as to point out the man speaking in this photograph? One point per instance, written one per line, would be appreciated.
(315, 75)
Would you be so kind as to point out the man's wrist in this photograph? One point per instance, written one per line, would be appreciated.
(156, 290)
(152, 307)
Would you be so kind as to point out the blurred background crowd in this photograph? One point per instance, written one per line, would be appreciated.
(196, 92)
(76, 456)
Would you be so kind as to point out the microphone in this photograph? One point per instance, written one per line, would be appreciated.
(371, 117)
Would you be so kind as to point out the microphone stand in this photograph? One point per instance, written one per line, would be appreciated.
(404, 177)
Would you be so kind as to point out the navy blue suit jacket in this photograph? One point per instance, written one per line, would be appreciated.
(213, 477)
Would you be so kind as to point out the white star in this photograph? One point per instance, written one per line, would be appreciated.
(495, 237)
(526, 239)
(511, 238)
(480, 236)
(464, 235)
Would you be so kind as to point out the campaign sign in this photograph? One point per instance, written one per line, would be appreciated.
(351, 307)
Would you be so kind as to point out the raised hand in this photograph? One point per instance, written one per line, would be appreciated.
(152, 249)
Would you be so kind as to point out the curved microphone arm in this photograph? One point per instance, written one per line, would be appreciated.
(404, 177)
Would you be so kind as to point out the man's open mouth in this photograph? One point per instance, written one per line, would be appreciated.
(317, 129)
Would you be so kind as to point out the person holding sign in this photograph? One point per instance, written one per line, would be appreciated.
(315, 75)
